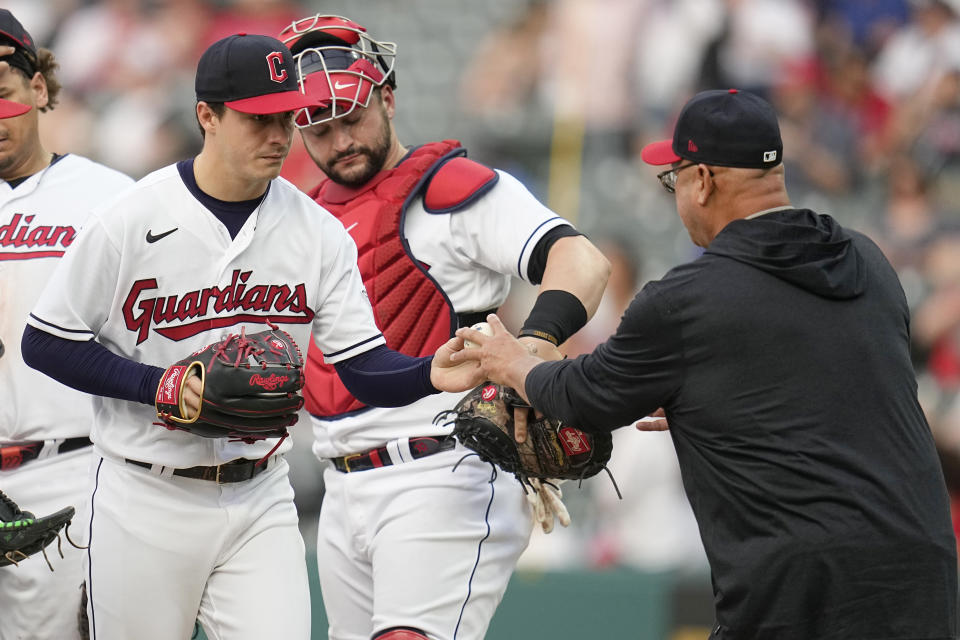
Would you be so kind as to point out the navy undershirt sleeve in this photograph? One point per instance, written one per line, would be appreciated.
(90, 367)
(382, 377)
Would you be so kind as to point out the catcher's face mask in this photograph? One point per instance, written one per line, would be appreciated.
(338, 65)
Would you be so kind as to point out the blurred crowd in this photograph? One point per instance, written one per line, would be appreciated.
(563, 93)
(868, 93)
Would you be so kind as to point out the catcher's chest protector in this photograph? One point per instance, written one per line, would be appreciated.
(411, 310)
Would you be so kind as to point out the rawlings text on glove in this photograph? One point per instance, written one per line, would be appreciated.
(251, 387)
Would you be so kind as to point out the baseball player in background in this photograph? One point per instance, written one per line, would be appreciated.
(406, 549)
(184, 527)
(44, 425)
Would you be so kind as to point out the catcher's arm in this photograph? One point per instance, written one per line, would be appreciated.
(575, 265)
(571, 287)
(572, 279)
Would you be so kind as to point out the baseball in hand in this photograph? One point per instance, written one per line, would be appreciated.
(483, 328)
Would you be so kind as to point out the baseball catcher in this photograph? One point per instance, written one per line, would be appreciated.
(247, 387)
(551, 453)
(22, 534)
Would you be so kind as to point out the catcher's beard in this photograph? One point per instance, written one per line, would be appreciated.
(375, 156)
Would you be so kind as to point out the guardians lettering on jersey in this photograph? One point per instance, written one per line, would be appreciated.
(204, 308)
(18, 233)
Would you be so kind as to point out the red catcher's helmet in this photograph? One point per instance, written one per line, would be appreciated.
(338, 65)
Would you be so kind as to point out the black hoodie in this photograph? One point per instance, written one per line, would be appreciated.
(807, 250)
(781, 356)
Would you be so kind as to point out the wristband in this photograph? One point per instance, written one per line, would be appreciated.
(556, 315)
(542, 335)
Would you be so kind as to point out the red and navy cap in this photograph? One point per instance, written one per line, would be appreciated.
(727, 128)
(11, 29)
(250, 74)
(10, 109)
(13, 34)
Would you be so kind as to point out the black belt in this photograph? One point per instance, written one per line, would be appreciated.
(14, 454)
(379, 457)
(470, 318)
(234, 471)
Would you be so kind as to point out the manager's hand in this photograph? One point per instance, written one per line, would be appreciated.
(502, 358)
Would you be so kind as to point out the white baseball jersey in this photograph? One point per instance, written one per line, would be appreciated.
(464, 524)
(39, 219)
(155, 276)
(472, 253)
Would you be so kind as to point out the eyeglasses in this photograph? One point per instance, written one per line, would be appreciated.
(668, 178)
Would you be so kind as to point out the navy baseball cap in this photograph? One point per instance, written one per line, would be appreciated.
(11, 29)
(13, 33)
(727, 128)
(11, 109)
(250, 74)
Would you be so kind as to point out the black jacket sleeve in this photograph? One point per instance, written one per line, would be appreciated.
(635, 372)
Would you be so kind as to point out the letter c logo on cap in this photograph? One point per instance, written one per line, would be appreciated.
(275, 63)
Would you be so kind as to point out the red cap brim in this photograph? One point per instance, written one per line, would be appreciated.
(10, 109)
(659, 153)
(271, 103)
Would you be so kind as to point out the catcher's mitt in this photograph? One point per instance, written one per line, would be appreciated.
(25, 535)
(552, 451)
(251, 386)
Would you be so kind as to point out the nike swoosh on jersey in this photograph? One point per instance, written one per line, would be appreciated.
(160, 236)
(337, 85)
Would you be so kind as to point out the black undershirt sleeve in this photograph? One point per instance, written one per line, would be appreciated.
(538, 259)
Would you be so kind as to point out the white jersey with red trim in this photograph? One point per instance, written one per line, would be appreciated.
(472, 254)
(156, 276)
(39, 219)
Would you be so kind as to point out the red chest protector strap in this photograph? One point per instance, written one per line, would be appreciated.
(410, 308)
